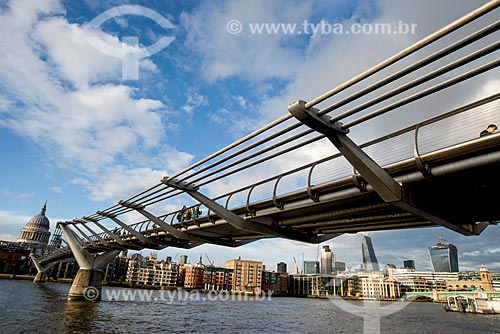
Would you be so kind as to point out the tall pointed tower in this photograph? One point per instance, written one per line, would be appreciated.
(36, 232)
(370, 262)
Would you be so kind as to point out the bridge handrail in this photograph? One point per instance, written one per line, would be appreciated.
(310, 166)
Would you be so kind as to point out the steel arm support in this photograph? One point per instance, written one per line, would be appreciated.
(84, 224)
(176, 233)
(129, 229)
(379, 179)
(233, 219)
(83, 257)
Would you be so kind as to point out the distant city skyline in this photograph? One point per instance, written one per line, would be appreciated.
(183, 255)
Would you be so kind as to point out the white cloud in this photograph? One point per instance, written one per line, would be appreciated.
(193, 102)
(25, 195)
(119, 182)
(220, 117)
(88, 125)
(241, 101)
(8, 237)
(72, 55)
(489, 88)
(253, 57)
(11, 223)
(57, 190)
(173, 160)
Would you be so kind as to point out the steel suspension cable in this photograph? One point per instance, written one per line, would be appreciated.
(409, 50)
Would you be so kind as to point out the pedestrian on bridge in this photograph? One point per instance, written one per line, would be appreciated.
(489, 130)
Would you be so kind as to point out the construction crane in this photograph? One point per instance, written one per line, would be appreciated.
(211, 263)
(296, 265)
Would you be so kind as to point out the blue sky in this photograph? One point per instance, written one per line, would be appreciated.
(74, 133)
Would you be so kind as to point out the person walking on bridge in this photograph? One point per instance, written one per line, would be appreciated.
(489, 130)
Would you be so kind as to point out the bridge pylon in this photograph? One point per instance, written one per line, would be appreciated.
(41, 275)
(87, 284)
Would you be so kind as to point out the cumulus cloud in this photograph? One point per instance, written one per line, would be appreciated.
(253, 57)
(325, 62)
(57, 81)
(120, 182)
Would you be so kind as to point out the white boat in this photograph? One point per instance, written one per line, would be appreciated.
(473, 304)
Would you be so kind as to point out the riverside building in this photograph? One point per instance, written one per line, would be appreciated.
(218, 279)
(152, 273)
(247, 275)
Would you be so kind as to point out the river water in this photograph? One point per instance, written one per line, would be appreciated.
(42, 308)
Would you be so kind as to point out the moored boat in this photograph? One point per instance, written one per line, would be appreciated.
(473, 304)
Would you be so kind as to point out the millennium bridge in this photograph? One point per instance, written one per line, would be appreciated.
(303, 176)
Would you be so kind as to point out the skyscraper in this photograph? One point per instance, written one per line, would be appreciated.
(311, 267)
(281, 267)
(444, 257)
(370, 262)
(409, 264)
(326, 260)
(338, 267)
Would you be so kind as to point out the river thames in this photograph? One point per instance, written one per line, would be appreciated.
(42, 308)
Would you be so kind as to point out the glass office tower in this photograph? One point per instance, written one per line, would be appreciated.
(370, 262)
(444, 257)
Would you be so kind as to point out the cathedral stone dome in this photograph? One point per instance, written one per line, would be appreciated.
(40, 221)
(36, 230)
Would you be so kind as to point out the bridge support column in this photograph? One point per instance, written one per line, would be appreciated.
(41, 275)
(87, 284)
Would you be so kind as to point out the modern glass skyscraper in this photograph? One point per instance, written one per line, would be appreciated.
(311, 267)
(326, 260)
(409, 264)
(444, 257)
(370, 262)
